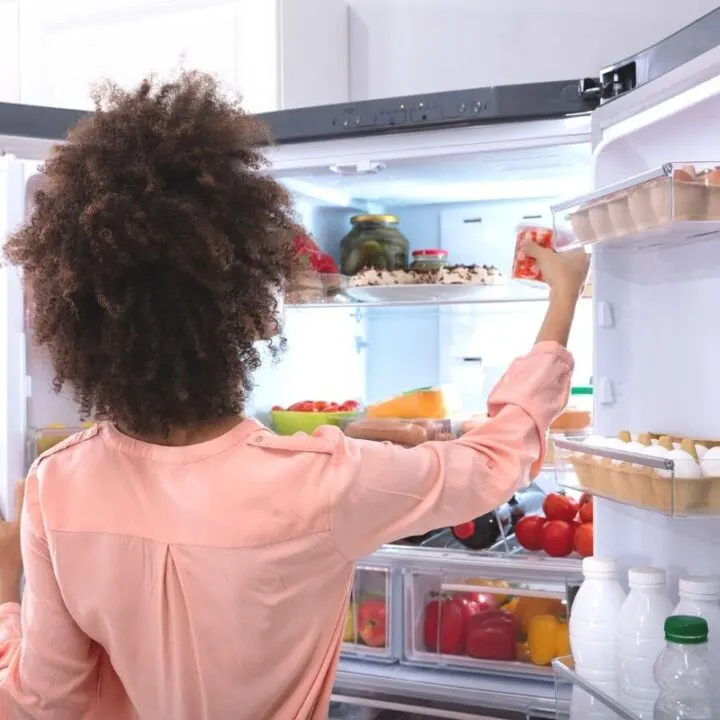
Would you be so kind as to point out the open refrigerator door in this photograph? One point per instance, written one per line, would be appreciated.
(12, 343)
(653, 225)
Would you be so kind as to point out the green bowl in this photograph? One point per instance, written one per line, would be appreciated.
(286, 422)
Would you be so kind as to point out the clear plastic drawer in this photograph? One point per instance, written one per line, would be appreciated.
(372, 621)
(506, 616)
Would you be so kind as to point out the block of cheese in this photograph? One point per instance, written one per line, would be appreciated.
(425, 403)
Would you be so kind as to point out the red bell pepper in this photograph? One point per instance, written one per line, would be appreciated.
(492, 635)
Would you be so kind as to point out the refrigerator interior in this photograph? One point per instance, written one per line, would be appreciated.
(656, 343)
(468, 204)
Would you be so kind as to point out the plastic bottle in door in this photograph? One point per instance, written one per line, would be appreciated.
(683, 671)
(700, 597)
(594, 620)
(641, 638)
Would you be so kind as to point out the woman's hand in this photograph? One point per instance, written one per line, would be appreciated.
(11, 566)
(565, 272)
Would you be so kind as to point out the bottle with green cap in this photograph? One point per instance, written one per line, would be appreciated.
(682, 672)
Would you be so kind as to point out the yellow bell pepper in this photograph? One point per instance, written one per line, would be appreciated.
(527, 608)
(547, 639)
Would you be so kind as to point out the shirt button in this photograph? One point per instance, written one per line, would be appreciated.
(259, 438)
(491, 464)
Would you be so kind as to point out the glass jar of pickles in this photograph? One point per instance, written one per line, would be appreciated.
(374, 242)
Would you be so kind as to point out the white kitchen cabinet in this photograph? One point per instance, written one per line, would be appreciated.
(9, 51)
(255, 46)
(405, 47)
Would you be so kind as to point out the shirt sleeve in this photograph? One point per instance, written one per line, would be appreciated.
(48, 666)
(385, 492)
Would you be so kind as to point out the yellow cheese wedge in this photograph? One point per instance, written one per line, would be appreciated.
(427, 403)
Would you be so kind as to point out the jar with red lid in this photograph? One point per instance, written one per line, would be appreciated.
(429, 259)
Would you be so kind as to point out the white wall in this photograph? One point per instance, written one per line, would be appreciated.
(401, 47)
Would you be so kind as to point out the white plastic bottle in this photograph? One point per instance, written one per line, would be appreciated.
(593, 622)
(640, 639)
(683, 672)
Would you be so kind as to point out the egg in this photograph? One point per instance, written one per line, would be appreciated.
(616, 444)
(657, 451)
(684, 174)
(700, 450)
(713, 177)
(596, 441)
(635, 447)
(686, 467)
(710, 462)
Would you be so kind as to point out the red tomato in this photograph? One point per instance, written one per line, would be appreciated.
(584, 540)
(352, 404)
(528, 531)
(586, 513)
(559, 507)
(557, 538)
(585, 498)
(304, 406)
(319, 406)
(444, 626)
(332, 408)
(277, 408)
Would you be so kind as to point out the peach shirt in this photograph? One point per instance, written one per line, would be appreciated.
(210, 582)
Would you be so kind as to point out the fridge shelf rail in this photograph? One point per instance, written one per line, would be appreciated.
(676, 202)
(580, 704)
(678, 485)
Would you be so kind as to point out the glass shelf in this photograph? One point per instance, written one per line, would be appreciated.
(564, 670)
(652, 483)
(669, 204)
(424, 295)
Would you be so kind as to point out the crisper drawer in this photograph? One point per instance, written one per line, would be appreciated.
(373, 628)
(508, 621)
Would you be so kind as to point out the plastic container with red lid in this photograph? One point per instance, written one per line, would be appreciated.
(429, 259)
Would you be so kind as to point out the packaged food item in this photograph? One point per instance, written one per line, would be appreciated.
(429, 260)
(578, 414)
(374, 242)
(424, 403)
(408, 433)
(524, 267)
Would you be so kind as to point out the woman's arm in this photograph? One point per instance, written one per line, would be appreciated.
(49, 668)
(381, 492)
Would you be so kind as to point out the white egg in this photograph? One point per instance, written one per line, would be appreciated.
(657, 451)
(596, 441)
(637, 448)
(686, 467)
(700, 450)
(616, 444)
(677, 446)
(710, 463)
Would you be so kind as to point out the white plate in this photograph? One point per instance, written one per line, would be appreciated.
(510, 292)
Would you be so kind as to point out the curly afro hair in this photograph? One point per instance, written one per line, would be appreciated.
(156, 253)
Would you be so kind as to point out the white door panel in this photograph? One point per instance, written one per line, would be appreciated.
(12, 343)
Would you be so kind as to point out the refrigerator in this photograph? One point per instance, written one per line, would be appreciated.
(461, 170)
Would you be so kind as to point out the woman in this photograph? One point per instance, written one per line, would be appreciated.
(181, 561)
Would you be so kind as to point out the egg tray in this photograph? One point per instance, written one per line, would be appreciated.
(647, 205)
(645, 487)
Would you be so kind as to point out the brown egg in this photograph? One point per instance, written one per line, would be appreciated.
(713, 177)
(681, 175)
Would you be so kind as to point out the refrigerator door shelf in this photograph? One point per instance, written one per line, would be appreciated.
(671, 204)
(564, 670)
(677, 486)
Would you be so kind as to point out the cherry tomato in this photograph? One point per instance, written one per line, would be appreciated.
(304, 406)
(557, 538)
(585, 498)
(586, 513)
(584, 540)
(528, 531)
(319, 406)
(559, 507)
(277, 408)
(332, 408)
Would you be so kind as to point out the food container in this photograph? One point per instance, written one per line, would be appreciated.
(429, 260)
(524, 267)
(636, 478)
(372, 629)
(504, 616)
(577, 416)
(374, 242)
(286, 422)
